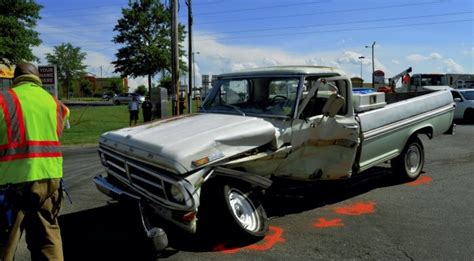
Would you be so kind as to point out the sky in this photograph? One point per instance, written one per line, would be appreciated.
(229, 35)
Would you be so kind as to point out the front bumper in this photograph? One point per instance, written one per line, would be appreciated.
(121, 192)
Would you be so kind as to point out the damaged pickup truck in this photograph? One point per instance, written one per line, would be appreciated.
(298, 122)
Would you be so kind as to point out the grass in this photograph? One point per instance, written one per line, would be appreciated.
(89, 122)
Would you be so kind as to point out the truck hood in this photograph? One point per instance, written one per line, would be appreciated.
(176, 142)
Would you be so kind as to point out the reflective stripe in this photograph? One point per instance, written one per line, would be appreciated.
(13, 117)
(29, 152)
(30, 143)
(28, 149)
(32, 155)
(61, 111)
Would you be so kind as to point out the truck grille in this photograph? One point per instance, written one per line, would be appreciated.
(148, 179)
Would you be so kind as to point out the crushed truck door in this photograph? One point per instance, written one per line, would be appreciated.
(323, 146)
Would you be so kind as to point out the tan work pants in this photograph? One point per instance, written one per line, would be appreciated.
(36, 208)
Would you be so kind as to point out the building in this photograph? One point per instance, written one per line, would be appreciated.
(107, 84)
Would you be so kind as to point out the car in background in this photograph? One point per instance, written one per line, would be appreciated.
(464, 99)
(124, 98)
(108, 96)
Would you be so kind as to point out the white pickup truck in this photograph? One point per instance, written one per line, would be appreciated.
(295, 122)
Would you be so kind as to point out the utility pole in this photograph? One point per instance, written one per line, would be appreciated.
(190, 55)
(373, 65)
(175, 57)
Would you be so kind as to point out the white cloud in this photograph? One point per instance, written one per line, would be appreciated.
(353, 58)
(41, 51)
(416, 58)
(397, 62)
(452, 67)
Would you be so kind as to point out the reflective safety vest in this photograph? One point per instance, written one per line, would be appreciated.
(31, 123)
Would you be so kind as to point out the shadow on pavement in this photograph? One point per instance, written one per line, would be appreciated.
(114, 232)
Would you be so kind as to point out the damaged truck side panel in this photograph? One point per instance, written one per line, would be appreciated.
(296, 122)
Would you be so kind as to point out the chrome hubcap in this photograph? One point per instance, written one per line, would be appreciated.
(243, 210)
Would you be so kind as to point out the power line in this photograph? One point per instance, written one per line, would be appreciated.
(338, 30)
(260, 8)
(319, 13)
(331, 24)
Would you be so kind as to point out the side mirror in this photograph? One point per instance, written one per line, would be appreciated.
(334, 103)
(457, 99)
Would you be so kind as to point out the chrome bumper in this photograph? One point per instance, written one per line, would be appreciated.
(112, 191)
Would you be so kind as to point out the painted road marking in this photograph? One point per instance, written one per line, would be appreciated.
(324, 223)
(267, 243)
(357, 209)
(421, 180)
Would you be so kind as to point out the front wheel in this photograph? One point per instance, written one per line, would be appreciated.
(237, 210)
(469, 115)
(409, 164)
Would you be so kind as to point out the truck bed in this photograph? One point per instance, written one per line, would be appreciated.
(403, 106)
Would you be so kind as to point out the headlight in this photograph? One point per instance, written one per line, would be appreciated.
(102, 159)
(176, 194)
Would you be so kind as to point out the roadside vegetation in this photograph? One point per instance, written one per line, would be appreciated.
(89, 122)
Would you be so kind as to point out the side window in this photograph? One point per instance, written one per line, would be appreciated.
(326, 89)
(456, 95)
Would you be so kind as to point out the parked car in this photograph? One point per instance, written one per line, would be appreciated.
(464, 99)
(123, 98)
(108, 95)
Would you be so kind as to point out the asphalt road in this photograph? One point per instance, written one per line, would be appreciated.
(374, 218)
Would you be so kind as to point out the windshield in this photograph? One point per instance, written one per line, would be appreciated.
(468, 95)
(263, 96)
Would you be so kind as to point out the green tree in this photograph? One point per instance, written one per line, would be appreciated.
(85, 87)
(17, 35)
(69, 60)
(116, 84)
(145, 33)
(141, 89)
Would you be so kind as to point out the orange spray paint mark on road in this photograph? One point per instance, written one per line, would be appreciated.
(356, 209)
(324, 223)
(267, 243)
(421, 180)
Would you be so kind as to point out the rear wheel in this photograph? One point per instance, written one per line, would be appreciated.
(409, 164)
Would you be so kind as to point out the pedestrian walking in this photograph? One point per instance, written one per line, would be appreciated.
(31, 124)
(133, 108)
(146, 108)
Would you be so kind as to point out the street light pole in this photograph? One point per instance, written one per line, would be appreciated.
(373, 65)
(361, 58)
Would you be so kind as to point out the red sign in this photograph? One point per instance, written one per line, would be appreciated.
(379, 73)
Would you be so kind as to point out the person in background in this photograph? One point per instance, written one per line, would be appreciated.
(31, 166)
(133, 108)
(147, 107)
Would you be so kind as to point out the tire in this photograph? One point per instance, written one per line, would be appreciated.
(236, 210)
(409, 164)
(469, 116)
(117, 102)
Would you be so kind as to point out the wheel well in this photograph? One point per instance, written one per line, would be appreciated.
(428, 131)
